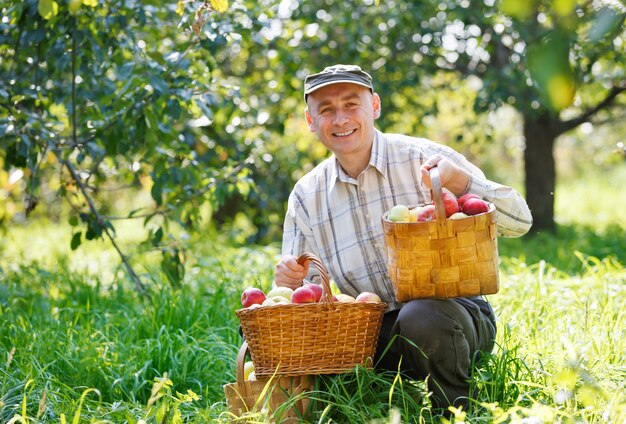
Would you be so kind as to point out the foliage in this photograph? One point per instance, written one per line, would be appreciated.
(98, 99)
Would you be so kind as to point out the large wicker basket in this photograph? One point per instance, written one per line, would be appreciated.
(445, 257)
(328, 337)
(282, 399)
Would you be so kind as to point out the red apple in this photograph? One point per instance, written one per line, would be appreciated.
(426, 213)
(317, 289)
(449, 201)
(252, 296)
(475, 206)
(461, 200)
(368, 297)
(303, 295)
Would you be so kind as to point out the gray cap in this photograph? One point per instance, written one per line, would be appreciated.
(336, 74)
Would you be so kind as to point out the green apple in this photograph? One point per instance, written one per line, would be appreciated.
(458, 215)
(285, 292)
(279, 300)
(399, 213)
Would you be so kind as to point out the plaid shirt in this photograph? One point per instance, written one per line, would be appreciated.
(338, 218)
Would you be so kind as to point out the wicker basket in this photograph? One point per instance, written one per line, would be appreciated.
(445, 257)
(327, 337)
(245, 396)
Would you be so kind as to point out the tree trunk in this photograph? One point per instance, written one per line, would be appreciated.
(540, 171)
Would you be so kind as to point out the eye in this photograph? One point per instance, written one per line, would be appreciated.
(324, 111)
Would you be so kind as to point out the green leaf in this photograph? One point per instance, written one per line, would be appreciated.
(76, 240)
(172, 266)
(605, 22)
(520, 9)
(157, 192)
(157, 236)
(48, 8)
(550, 70)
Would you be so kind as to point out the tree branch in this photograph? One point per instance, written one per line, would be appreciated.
(565, 126)
(92, 207)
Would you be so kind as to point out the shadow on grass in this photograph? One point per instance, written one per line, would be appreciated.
(558, 249)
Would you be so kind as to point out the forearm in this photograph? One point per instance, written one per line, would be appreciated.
(512, 213)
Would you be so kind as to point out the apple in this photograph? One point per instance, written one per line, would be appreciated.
(475, 206)
(426, 213)
(285, 292)
(449, 202)
(458, 215)
(269, 302)
(279, 300)
(248, 368)
(461, 200)
(251, 296)
(344, 298)
(317, 289)
(303, 294)
(368, 297)
(413, 214)
(398, 213)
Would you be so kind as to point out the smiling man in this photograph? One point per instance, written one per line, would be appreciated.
(335, 212)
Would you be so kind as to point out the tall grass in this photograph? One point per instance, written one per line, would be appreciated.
(79, 345)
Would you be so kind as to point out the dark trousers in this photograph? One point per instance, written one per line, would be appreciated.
(438, 339)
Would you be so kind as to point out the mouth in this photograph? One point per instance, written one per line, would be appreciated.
(344, 134)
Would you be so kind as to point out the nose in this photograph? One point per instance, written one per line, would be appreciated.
(341, 117)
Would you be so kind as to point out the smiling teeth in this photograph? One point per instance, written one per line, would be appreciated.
(344, 133)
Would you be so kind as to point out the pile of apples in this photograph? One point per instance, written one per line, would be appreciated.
(253, 297)
(456, 208)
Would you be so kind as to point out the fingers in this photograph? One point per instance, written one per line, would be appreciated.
(426, 167)
(289, 273)
(452, 177)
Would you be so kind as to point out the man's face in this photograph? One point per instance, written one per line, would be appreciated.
(342, 115)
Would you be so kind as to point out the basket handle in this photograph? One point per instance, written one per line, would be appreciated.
(241, 361)
(437, 194)
(327, 296)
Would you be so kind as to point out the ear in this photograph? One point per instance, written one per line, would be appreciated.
(309, 120)
(376, 105)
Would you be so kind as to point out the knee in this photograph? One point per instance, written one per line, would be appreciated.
(424, 321)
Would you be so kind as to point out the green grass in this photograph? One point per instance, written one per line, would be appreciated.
(78, 344)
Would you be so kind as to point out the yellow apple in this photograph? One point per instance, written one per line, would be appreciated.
(458, 215)
(344, 298)
(368, 297)
(248, 368)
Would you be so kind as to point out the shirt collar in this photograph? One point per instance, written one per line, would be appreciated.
(378, 160)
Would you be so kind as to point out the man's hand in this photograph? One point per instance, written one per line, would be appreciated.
(452, 177)
(289, 273)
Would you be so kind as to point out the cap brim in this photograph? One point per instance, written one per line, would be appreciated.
(324, 84)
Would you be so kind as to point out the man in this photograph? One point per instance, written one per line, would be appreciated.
(335, 212)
